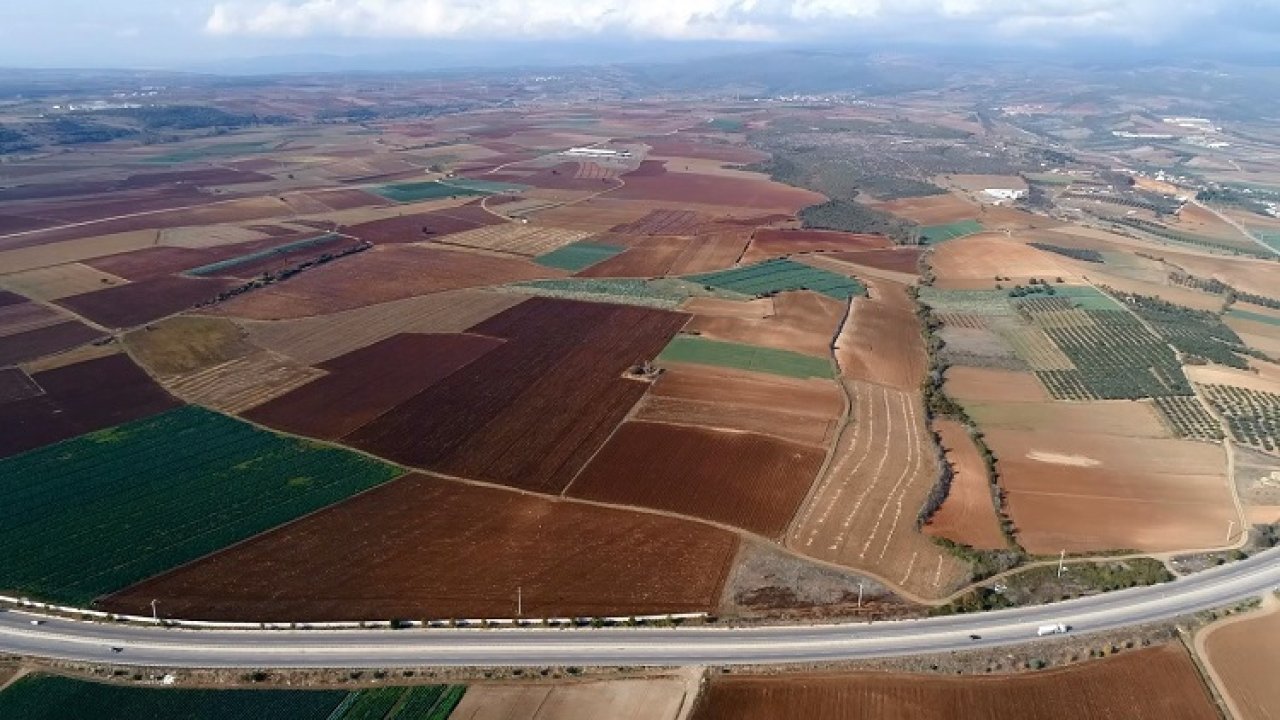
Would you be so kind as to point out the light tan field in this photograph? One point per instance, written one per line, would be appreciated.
(978, 183)
(187, 343)
(647, 699)
(243, 383)
(69, 251)
(1258, 335)
(59, 281)
(974, 262)
(1242, 656)
(313, 340)
(1163, 290)
(803, 322)
(1085, 492)
(846, 265)
(968, 515)
(994, 385)
(933, 209)
(595, 215)
(515, 238)
(207, 236)
(881, 341)
(1120, 418)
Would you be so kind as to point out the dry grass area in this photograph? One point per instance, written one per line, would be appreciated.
(187, 343)
(515, 238)
(1119, 418)
(243, 383)
(973, 262)
(1242, 655)
(595, 215)
(1159, 683)
(661, 698)
(206, 236)
(59, 281)
(803, 322)
(933, 209)
(69, 251)
(313, 340)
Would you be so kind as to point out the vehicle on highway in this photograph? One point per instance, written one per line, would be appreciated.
(975, 637)
(1054, 629)
(37, 622)
(117, 649)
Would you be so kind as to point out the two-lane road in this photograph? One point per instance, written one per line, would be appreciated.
(141, 645)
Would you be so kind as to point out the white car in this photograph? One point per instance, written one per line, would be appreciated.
(37, 622)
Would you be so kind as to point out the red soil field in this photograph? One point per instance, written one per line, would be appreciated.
(282, 260)
(564, 176)
(80, 398)
(881, 341)
(421, 227)
(162, 260)
(382, 274)
(932, 209)
(968, 515)
(1159, 683)
(724, 152)
(10, 298)
(22, 316)
(422, 547)
(663, 222)
(803, 322)
(366, 383)
(711, 251)
(346, 199)
(647, 257)
(141, 302)
(32, 344)
(742, 479)
(769, 242)
(647, 168)
(1242, 656)
(16, 385)
(761, 194)
(750, 391)
(903, 260)
(20, 223)
(531, 412)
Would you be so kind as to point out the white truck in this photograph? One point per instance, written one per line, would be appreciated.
(1054, 629)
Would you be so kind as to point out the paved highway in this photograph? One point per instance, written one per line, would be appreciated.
(142, 645)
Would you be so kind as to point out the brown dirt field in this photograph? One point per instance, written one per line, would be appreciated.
(8, 298)
(83, 353)
(346, 199)
(313, 340)
(1243, 656)
(862, 512)
(769, 242)
(968, 515)
(245, 382)
(978, 183)
(640, 699)
(364, 384)
(80, 398)
(1159, 683)
(1091, 492)
(1122, 418)
(143, 301)
(379, 275)
(421, 547)
(514, 238)
(57, 253)
(1198, 220)
(155, 262)
(710, 251)
(899, 260)
(932, 210)
(670, 146)
(15, 384)
(187, 343)
(794, 427)
(59, 281)
(861, 272)
(531, 412)
(214, 236)
(563, 176)
(803, 322)
(646, 257)
(677, 187)
(22, 316)
(974, 261)
(418, 227)
(595, 215)
(750, 391)
(1162, 290)
(1250, 275)
(749, 481)
(663, 221)
(881, 342)
(31, 344)
(994, 385)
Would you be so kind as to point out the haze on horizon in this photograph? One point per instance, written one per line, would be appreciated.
(195, 34)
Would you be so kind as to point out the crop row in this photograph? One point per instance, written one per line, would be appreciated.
(1189, 418)
(1252, 416)
(1118, 358)
(1195, 333)
(778, 275)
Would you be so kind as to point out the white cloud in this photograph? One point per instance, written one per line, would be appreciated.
(1031, 20)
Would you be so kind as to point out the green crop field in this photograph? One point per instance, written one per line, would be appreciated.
(1255, 317)
(1086, 297)
(1270, 238)
(1252, 416)
(660, 293)
(428, 190)
(41, 697)
(578, 256)
(976, 302)
(930, 234)
(1116, 358)
(231, 263)
(1195, 333)
(483, 186)
(97, 513)
(1048, 178)
(693, 349)
(772, 276)
(727, 125)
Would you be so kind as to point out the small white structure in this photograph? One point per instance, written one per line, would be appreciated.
(1004, 194)
(595, 152)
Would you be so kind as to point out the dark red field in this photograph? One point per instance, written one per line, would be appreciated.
(364, 384)
(424, 226)
(421, 547)
(647, 257)
(141, 302)
(80, 398)
(647, 169)
(22, 223)
(742, 479)
(663, 222)
(16, 385)
(903, 260)
(531, 412)
(154, 262)
(10, 298)
(729, 191)
(29, 345)
(346, 199)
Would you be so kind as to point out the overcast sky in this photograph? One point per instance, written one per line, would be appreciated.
(185, 33)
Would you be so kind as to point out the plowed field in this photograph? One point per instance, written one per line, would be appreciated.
(976, 260)
(1242, 654)
(423, 226)
(767, 243)
(515, 238)
(749, 481)
(1153, 684)
(531, 412)
(898, 260)
(803, 322)
(237, 385)
(141, 302)
(679, 187)
(932, 209)
(881, 342)
(379, 275)
(664, 222)
(44, 340)
(427, 548)
(968, 515)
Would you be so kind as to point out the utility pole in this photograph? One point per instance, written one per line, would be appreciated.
(519, 601)
(1230, 526)
(154, 616)
(1062, 557)
(859, 594)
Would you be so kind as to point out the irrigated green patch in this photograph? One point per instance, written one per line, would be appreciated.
(977, 302)
(95, 514)
(930, 234)
(1255, 317)
(693, 349)
(48, 697)
(578, 256)
(232, 263)
(779, 275)
(428, 190)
